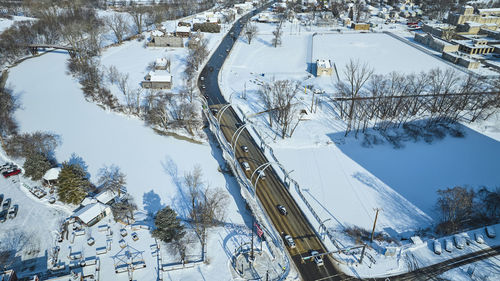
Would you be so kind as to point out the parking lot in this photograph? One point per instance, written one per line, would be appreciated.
(25, 234)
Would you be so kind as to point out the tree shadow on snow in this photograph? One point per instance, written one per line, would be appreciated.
(415, 164)
(152, 202)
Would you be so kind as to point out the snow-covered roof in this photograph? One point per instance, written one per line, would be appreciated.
(88, 200)
(157, 33)
(182, 29)
(323, 63)
(161, 62)
(154, 76)
(52, 174)
(105, 196)
(91, 211)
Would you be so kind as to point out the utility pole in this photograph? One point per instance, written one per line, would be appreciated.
(374, 223)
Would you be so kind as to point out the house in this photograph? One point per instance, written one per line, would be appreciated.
(435, 43)
(360, 26)
(183, 31)
(461, 59)
(157, 81)
(161, 64)
(323, 68)
(106, 197)
(92, 213)
(159, 39)
(50, 177)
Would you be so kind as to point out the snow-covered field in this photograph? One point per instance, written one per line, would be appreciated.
(341, 179)
(6, 23)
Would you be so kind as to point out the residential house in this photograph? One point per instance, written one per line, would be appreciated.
(157, 81)
(92, 213)
(183, 31)
(50, 177)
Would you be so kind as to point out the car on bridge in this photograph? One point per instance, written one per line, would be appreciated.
(282, 209)
(244, 148)
(289, 241)
(317, 258)
(245, 166)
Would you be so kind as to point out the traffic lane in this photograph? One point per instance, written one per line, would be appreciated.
(292, 224)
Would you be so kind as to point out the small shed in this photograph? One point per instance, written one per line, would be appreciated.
(50, 177)
(183, 31)
(323, 68)
(161, 64)
(360, 26)
(92, 213)
(157, 81)
(106, 197)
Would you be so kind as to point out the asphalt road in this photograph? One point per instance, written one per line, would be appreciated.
(271, 191)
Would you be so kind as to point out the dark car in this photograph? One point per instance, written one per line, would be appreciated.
(3, 216)
(13, 211)
(1, 199)
(211, 68)
(6, 204)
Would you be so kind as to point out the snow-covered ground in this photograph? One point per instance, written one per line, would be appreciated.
(341, 179)
(6, 23)
(154, 165)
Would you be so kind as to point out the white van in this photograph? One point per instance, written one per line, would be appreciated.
(437, 247)
(245, 166)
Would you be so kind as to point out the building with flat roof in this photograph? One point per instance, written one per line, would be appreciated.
(323, 68)
(155, 80)
(435, 43)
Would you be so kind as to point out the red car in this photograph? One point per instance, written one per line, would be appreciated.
(11, 173)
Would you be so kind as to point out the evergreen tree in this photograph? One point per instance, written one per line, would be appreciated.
(73, 185)
(36, 165)
(168, 227)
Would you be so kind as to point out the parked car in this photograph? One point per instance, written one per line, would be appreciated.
(448, 245)
(3, 215)
(1, 199)
(459, 241)
(479, 238)
(289, 241)
(6, 204)
(282, 210)
(245, 166)
(13, 211)
(490, 232)
(244, 148)
(317, 259)
(123, 232)
(437, 247)
(10, 173)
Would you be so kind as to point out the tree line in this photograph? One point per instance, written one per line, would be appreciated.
(364, 99)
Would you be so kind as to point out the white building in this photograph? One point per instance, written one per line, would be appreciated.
(92, 213)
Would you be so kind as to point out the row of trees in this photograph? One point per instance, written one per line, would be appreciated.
(364, 99)
(463, 208)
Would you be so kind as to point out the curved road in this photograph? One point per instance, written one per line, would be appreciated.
(271, 191)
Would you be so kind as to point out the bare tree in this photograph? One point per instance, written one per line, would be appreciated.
(139, 14)
(158, 114)
(118, 24)
(278, 97)
(356, 75)
(112, 178)
(456, 206)
(194, 183)
(250, 31)
(276, 41)
(8, 105)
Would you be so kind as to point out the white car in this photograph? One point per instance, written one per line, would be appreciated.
(437, 247)
(245, 166)
(479, 238)
(244, 148)
(317, 259)
(289, 241)
(459, 241)
(448, 245)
